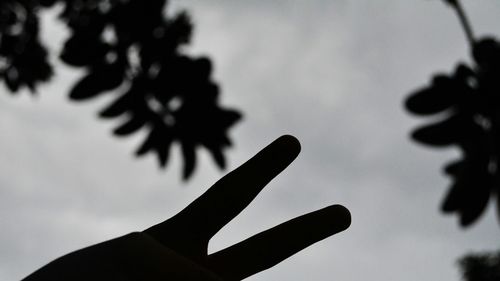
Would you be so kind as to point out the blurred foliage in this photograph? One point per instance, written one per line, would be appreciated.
(133, 48)
(481, 267)
(23, 60)
(467, 103)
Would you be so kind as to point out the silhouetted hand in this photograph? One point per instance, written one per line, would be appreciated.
(176, 249)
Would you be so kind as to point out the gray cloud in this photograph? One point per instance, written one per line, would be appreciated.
(333, 73)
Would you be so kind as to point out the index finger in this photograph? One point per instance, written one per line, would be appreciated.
(205, 216)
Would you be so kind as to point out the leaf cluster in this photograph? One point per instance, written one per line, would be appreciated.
(469, 100)
(129, 48)
(23, 59)
(481, 267)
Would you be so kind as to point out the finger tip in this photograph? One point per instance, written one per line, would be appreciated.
(291, 143)
(341, 217)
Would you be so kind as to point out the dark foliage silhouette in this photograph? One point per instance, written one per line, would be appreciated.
(131, 47)
(176, 249)
(23, 60)
(467, 103)
(481, 267)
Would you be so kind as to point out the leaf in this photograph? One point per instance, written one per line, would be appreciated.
(100, 79)
(478, 194)
(189, 156)
(12, 84)
(486, 52)
(179, 29)
(230, 118)
(158, 140)
(162, 153)
(147, 145)
(130, 126)
(218, 156)
(118, 107)
(438, 97)
(87, 87)
(476, 204)
(454, 168)
(469, 194)
(131, 100)
(455, 198)
(442, 133)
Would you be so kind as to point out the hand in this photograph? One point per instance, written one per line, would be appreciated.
(176, 249)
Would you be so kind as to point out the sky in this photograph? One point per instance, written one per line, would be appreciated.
(332, 73)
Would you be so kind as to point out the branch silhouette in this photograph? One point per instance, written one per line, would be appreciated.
(176, 249)
(481, 267)
(130, 49)
(470, 103)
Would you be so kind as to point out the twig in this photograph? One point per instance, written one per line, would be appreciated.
(463, 20)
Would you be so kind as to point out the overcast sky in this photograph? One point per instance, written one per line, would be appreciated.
(332, 73)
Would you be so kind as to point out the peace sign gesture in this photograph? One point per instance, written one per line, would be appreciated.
(176, 249)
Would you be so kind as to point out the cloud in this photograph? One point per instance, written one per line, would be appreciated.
(333, 73)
